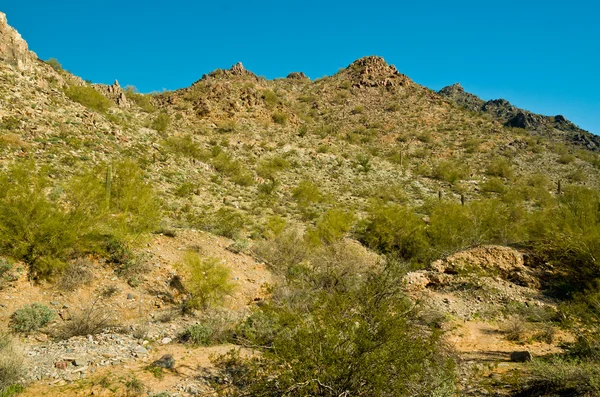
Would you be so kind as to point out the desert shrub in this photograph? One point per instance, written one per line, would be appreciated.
(271, 99)
(285, 249)
(227, 165)
(279, 117)
(185, 146)
(450, 171)
(90, 320)
(10, 123)
(45, 231)
(33, 227)
(12, 367)
(515, 329)
(227, 222)
(268, 168)
(500, 167)
(88, 97)
(76, 274)
(358, 341)
(452, 227)
(161, 122)
(31, 318)
(568, 234)
(306, 194)
(226, 127)
(213, 329)
(493, 185)
(133, 203)
(186, 189)
(333, 226)
(143, 101)
(53, 62)
(560, 377)
(394, 228)
(206, 280)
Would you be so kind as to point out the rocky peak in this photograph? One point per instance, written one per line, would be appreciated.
(297, 76)
(236, 70)
(114, 92)
(373, 71)
(452, 90)
(13, 49)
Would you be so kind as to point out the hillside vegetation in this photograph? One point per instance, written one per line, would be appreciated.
(337, 194)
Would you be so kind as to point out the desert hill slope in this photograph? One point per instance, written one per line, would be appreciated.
(327, 231)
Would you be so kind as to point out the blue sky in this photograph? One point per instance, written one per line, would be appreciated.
(540, 55)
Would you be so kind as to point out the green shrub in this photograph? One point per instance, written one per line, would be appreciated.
(10, 123)
(34, 228)
(206, 280)
(332, 227)
(500, 167)
(271, 99)
(280, 117)
(143, 101)
(307, 193)
(185, 146)
(450, 171)
(53, 62)
(269, 168)
(161, 122)
(493, 185)
(394, 228)
(560, 377)
(341, 342)
(31, 318)
(88, 97)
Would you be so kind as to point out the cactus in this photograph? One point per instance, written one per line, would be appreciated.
(108, 184)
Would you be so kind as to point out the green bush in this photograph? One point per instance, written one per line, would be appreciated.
(88, 97)
(206, 280)
(280, 117)
(332, 227)
(394, 228)
(45, 231)
(161, 122)
(450, 171)
(362, 341)
(500, 167)
(55, 64)
(31, 318)
(33, 227)
(271, 99)
(143, 101)
(185, 146)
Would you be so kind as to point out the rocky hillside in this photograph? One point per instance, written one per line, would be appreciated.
(512, 116)
(270, 237)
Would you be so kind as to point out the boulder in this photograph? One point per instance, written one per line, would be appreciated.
(520, 356)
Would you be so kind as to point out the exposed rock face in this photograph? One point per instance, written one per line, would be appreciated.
(13, 49)
(373, 71)
(297, 76)
(236, 70)
(512, 116)
(114, 93)
(458, 95)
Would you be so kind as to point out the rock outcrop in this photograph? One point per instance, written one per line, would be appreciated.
(373, 71)
(13, 49)
(512, 116)
(115, 93)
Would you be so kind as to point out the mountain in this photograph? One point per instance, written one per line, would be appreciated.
(511, 116)
(357, 234)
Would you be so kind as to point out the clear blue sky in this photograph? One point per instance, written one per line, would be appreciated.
(542, 55)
